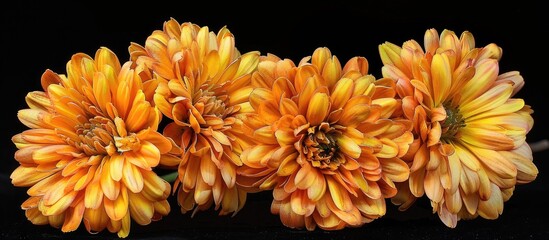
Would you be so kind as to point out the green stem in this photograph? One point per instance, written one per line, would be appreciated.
(170, 177)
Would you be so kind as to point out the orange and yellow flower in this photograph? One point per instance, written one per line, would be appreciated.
(325, 141)
(91, 148)
(469, 150)
(203, 87)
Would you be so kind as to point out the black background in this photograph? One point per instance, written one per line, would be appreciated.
(37, 36)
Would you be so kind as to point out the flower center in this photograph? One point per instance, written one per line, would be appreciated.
(213, 105)
(211, 109)
(128, 143)
(451, 125)
(96, 136)
(320, 147)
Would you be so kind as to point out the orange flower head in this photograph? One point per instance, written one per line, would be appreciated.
(91, 147)
(469, 150)
(325, 141)
(204, 84)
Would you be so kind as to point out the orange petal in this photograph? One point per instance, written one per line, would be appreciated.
(354, 114)
(208, 170)
(318, 108)
(117, 208)
(95, 219)
(288, 165)
(73, 217)
(441, 75)
(485, 189)
(288, 106)
(485, 74)
(492, 207)
(526, 169)
(416, 183)
(388, 106)
(52, 153)
(259, 95)
(132, 177)
(305, 176)
(36, 217)
(116, 163)
(101, 90)
(265, 135)
(389, 149)
(285, 137)
(141, 209)
(61, 205)
(301, 204)
(390, 55)
(254, 156)
(125, 227)
(395, 169)
(318, 188)
(348, 146)
(110, 188)
(27, 176)
(484, 137)
(339, 195)
(189, 173)
(154, 187)
(496, 162)
(469, 181)
(470, 202)
(341, 93)
(138, 117)
(448, 218)
(489, 100)
(288, 217)
(202, 191)
(454, 169)
(433, 187)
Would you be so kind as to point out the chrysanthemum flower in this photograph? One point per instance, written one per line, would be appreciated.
(204, 87)
(326, 145)
(469, 150)
(89, 152)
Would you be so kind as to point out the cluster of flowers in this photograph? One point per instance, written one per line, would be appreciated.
(329, 140)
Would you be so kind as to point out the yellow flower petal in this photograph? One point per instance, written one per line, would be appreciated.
(395, 169)
(141, 209)
(441, 77)
(493, 207)
(339, 196)
(485, 74)
(131, 177)
(341, 93)
(318, 108)
(305, 176)
(433, 187)
(482, 136)
(496, 162)
(348, 146)
(491, 99)
(73, 218)
(301, 204)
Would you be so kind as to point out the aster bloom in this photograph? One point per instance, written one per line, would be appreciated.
(469, 150)
(325, 143)
(91, 148)
(203, 87)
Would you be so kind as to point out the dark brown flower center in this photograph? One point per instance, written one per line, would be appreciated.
(452, 124)
(320, 147)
